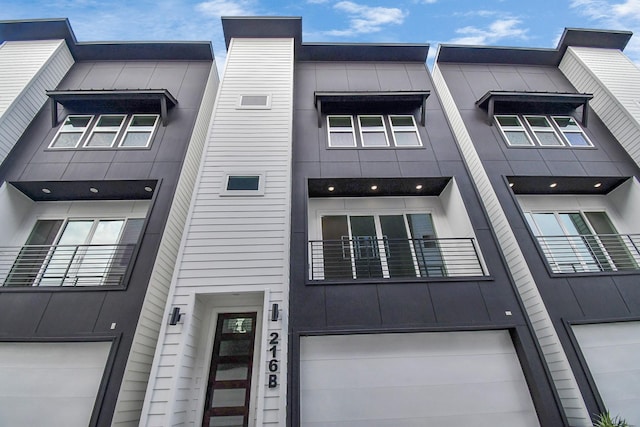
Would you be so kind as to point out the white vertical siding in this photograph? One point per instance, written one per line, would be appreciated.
(233, 244)
(27, 69)
(136, 376)
(564, 380)
(615, 83)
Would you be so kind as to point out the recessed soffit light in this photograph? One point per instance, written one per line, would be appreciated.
(511, 184)
(419, 187)
(597, 185)
(46, 191)
(331, 188)
(553, 185)
(374, 187)
(93, 189)
(148, 189)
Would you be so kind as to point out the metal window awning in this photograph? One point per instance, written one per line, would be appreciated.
(498, 102)
(326, 102)
(159, 99)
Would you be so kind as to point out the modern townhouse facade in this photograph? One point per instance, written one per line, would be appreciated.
(100, 144)
(550, 137)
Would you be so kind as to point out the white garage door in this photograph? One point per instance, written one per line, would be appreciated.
(612, 351)
(50, 384)
(413, 379)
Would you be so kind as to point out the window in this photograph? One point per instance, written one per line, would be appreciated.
(106, 131)
(250, 102)
(341, 131)
(71, 132)
(374, 131)
(139, 131)
(544, 131)
(243, 185)
(572, 132)
(405, 131)
(513, 131)
(575, 242)
(76, 252)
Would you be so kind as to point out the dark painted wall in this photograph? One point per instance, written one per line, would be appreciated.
(44, 314)
(394, 305)
(586, 297)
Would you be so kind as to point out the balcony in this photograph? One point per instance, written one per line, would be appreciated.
(65, 265)
(365, 257)
(591, 253)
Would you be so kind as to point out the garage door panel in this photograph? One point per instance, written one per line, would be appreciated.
(441, 379)
(612, 351)
(413, 371)
(57, 382)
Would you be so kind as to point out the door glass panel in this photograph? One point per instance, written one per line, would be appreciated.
(226, 421)
(426, 247)
(399, 259)
(63, 259)
(619, 248)
(97, 258)
(237, 325)
(234, 348)
(336, 249)
(366, 251)
(232, 371)
(223, 398)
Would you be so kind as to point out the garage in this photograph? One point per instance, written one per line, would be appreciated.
(52, 384)
(413, 379)
(611, 351)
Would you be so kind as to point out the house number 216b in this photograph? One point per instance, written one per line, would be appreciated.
(273, 363)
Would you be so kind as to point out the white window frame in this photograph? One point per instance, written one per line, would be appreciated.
(139, 129)
(504, 129)
(372, 129)
(350, 130)
(266, 106)
(105, 129)
(82, 132)
(247, 193)
(578, 130)
(404, 129)
(550, 129)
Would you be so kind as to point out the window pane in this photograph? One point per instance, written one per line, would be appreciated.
(548, 139)
(577, 139)
(235, 348)
(76, 122)
(135, 139)
(110, 121)
(341, 139)
(374, 139)
(340, 121)
(107, 232)
(374, 121)
(406, 139)
(517, 138)
(143, 121)
(101, 139)
(508, 121)
(402, 121)
(538, 122)
(248, 183)
(232, 371)
(237, 325)
(566, 123)
(67, 140)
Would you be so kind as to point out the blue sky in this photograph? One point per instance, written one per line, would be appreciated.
(489, 22)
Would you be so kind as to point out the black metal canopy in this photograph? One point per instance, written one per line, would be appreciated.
(135, 100)
(332, 102)
(497, 102)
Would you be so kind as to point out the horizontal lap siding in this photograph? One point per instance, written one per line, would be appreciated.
(557, 362)
(234, 244)
(27, 70)
(132, 390)
(615, 83)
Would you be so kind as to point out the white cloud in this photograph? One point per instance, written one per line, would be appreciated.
(365, 19)
(317, 1)
(481, 13)
(497, 30)
(217, 8)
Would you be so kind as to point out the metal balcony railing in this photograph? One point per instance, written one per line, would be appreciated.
(64, 265)
(591, 252)
(365, 257)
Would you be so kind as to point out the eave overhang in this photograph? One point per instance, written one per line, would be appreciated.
(327, 102)
(157, 99)
(534, 103)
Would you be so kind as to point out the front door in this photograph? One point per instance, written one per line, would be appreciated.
(229, 385)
